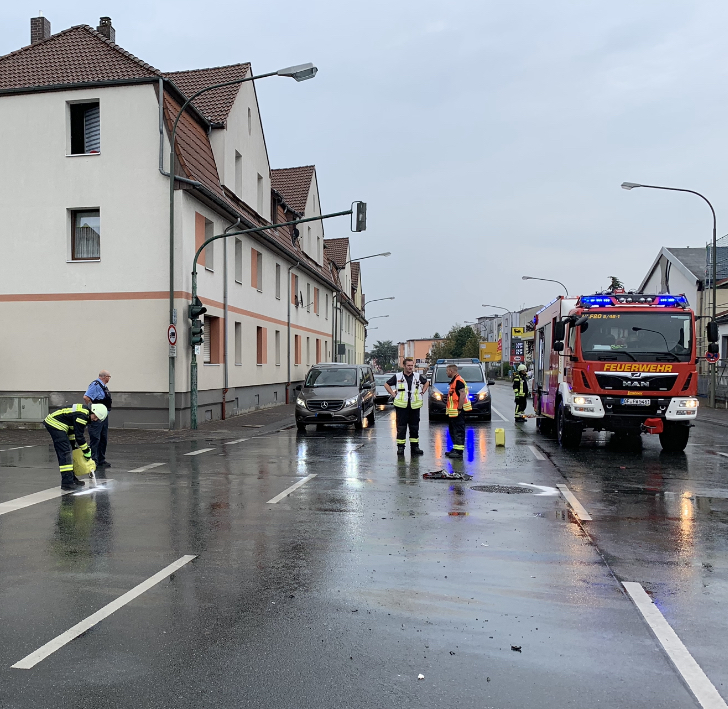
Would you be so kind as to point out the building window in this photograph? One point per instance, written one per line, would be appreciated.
(261, 339)
(213, 346)
(297, 349)
(256, 269)
(239, 261)
(318, 350)
(209, 249)
(86, 235)
(85, 128)
(260, 194)
(316, 301)
(294, 289)
(250, 121)
(326, 307)
(308, 240)
(278, 281)
(318, 249)
(238, 343)
(308, 299)
(278, 347)
(238, 174)
(204, 229)
(308, 351)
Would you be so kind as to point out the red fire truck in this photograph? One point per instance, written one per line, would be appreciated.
(617, 361)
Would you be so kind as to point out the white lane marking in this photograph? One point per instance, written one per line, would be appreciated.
(240, 440)
(50, 647)
(33, 499)
(289, 490)
(145, 467)
(539, 455)
(725, 455)
(497, 413)
(703, 689)
(202, 450)
(576, 506)
(545, 489)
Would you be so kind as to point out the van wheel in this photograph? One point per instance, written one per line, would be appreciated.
(674, 438)
(359, 424)
(300, 426)
(567, 432)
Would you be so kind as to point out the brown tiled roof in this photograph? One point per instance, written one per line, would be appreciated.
(294, 184)
(337, 250)
(79, 54)
(215, 105)
(355, 271)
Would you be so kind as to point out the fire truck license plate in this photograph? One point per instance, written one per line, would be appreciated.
(636, 402)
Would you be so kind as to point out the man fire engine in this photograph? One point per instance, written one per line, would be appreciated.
(616, 361)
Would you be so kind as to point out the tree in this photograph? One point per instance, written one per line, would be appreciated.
(616, 284)
(384, 354)
(437, 336)
(459, 342)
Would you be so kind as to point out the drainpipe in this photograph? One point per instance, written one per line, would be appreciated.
(225, 385)
(334, 303)
(288, 349)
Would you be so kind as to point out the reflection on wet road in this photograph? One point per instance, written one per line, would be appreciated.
(328, 573)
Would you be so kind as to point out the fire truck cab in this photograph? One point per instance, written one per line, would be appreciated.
(619, 362)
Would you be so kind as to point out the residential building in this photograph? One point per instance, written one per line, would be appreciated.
(418, 350)
(92, 284)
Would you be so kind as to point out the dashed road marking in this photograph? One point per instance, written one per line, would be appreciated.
(30, 661)
(576, 506)
(16, 448)
(725, 455)
(146, 467)
(539, 455)
(240, 440)
(202, 450)
(699, 684)
(289, 490)
(498, 413)
(28, 500)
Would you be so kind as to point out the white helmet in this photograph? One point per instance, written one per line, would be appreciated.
(521, 367)
(100, 411)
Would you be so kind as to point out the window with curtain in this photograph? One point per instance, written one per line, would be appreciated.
(86, 235)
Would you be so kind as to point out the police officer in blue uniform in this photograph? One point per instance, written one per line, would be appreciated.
(98, 431)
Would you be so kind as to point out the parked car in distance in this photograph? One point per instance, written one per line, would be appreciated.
(336, 393)
(428, 375)
(471, 370)
(382, 396)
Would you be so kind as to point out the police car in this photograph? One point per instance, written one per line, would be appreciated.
(471, 370)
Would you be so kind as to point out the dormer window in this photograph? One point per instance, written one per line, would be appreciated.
(85, 128)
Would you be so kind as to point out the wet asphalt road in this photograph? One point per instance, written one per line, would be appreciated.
(366, 576)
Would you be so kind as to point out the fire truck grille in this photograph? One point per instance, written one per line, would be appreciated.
(624, 382)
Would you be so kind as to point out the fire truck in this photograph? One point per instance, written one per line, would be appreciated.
(620, 362)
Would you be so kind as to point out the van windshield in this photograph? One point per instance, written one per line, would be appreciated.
(469, 372)
(331, 378)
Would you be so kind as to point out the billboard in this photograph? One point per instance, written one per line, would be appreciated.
(490, 352)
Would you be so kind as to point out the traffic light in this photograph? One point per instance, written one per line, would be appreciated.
(197, 333)
(360, 217)
(196, 308)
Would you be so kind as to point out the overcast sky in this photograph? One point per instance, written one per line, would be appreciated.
(488, 138)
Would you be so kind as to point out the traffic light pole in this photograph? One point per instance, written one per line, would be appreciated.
(360, 225)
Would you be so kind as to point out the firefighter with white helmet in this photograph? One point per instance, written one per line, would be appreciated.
(520, 389)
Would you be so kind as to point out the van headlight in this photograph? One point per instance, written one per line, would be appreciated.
(351, 402)
(300, 402)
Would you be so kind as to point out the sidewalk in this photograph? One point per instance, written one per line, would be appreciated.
(255, 423)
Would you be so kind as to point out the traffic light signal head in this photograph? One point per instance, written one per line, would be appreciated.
(196, 308)
(360, 217)
(197, 333)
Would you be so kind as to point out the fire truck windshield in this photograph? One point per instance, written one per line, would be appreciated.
(647, 337)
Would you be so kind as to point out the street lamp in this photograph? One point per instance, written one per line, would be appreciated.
(391, 297)
(300, 72)
(500, 307)
(378, 316)
(550, 280)
(361, 258)
(631, 186)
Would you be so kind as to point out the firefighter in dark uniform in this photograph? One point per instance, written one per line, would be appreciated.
(66, 428)
(520, 389)
(458, 403)
(98, 431)
(407, 404)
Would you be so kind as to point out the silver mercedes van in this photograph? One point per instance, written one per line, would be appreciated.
(336, 393)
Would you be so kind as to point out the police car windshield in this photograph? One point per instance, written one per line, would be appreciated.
(638, 336)
(469, 372)
(331, 378)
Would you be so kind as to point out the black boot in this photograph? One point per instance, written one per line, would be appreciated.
(454, 454)
(400, 450)
(77, 482)
(415, 449)
(67, 482)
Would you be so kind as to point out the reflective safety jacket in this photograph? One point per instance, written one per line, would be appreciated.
(520, 385)
(415, 398)
(72, 421)
(453, 400)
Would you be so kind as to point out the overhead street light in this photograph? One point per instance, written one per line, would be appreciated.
(391, 297)
(631, 186)
(378, 316)
(361, 258)
(300, 72)
(550, 280)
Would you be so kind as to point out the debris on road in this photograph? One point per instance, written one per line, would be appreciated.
(420, 676)
(516, 648)
(442, 475)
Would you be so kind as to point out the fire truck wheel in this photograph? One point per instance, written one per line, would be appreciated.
(568, 433)
(674, 438)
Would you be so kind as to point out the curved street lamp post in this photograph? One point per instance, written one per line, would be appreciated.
(550, 280)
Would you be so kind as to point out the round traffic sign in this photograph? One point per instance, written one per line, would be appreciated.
(712, 357)
(172, 335)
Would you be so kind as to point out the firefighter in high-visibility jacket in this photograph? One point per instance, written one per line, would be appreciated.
(458, 403)
(520, 390)
(408, 398)
(66, 427)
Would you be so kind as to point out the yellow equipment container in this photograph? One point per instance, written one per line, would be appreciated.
(500, 436)
(81, 466)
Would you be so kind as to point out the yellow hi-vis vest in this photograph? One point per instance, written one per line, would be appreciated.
(453, 399)
(401, 399)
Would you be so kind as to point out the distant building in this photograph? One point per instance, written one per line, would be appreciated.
(418, 350)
